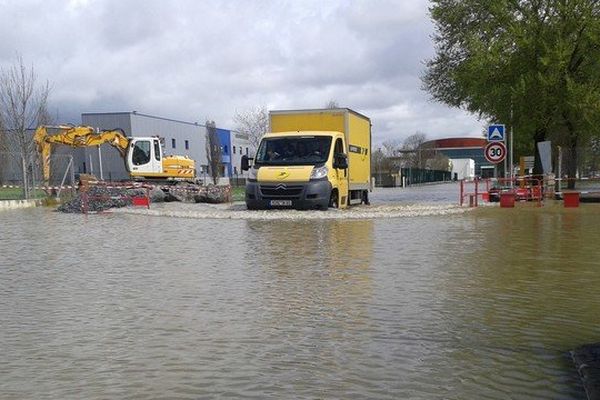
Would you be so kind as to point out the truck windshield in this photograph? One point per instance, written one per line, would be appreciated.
(296, 150)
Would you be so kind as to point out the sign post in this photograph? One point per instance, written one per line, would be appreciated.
(495, 152)
(496, 134)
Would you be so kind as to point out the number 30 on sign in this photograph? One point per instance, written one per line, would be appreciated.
(495, 152)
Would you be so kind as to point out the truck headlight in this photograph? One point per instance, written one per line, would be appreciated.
(252, 173)
(319, 172)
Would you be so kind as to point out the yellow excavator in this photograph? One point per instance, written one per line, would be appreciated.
(143, 156)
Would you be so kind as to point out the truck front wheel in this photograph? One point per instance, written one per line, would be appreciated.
(365, 197)
(334, 201)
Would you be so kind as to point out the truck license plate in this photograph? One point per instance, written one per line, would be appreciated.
(280, 203)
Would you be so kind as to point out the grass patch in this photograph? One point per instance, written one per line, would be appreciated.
(17, 194)
(238, 193)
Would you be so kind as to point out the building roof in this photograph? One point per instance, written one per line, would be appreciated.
(456, 143)
(142, 115)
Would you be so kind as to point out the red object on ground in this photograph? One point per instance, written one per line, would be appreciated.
(522, 194)
(507, 199)
(571, 199)
(140, 201)
(485, 196)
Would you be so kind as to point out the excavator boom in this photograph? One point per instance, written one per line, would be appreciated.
(76, 136)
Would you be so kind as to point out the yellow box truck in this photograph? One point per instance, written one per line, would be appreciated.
(311, 159)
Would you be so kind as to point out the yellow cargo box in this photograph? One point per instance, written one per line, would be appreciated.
(355, 127)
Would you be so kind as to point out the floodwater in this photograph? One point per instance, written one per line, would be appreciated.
(443, 304)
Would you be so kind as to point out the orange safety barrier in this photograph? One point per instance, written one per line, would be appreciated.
(477, 190)
(140, 201)
(507, 200)
(571, 199)
(518, 189)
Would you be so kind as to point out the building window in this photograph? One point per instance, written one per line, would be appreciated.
(173, 144)
(233, 149)
(187, 144)
(225, 149)
(246, 151)
(157, 149)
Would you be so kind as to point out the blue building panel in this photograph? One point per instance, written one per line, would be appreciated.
(225, 140)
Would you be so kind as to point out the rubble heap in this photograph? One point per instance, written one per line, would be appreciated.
(100, 198)
(198, 194)
(95, 198)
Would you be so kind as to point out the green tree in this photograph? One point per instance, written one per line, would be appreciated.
(534, 64)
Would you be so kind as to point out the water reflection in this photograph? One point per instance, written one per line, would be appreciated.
(316, 285)
(477, 305)
(518, 288)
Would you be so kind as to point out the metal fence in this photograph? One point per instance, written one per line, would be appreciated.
(413, 176)
(21, 176)
(237, 181)
(410, 176)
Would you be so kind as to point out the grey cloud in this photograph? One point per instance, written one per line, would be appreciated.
(193, 59)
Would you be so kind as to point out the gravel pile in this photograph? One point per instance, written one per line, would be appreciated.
(100, 198)
(198, 194)
(214, 194)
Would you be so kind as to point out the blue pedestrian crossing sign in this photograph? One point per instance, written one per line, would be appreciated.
(496, 133)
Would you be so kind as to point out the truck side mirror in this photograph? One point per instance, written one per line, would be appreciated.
(340, 161)
(245, 165)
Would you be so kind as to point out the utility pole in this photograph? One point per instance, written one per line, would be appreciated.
(559, 188)
(512, 131)
(100, 162)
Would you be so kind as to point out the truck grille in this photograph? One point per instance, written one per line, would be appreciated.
(281, 191)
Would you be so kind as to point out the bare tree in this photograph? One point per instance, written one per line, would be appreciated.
(332, 104)
(213, 151)
(382, 163)
(391, 147)
(3, 154)
(23, 105)
(253, 122)
(413, 153)
(439, 162)
(3, 137)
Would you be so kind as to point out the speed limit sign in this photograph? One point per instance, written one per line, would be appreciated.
(495, 152)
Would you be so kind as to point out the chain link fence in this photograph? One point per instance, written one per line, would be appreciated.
(21, 176)
(410, 176)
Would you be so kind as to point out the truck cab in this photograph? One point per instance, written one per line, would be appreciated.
(303, 170)
(309, 168)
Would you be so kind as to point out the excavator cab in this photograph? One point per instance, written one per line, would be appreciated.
(144, 157)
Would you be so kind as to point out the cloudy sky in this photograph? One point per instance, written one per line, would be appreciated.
(193, 60)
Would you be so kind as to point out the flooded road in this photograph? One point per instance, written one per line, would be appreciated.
(431, 305)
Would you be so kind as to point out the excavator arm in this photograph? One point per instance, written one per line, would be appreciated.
(76, 136)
